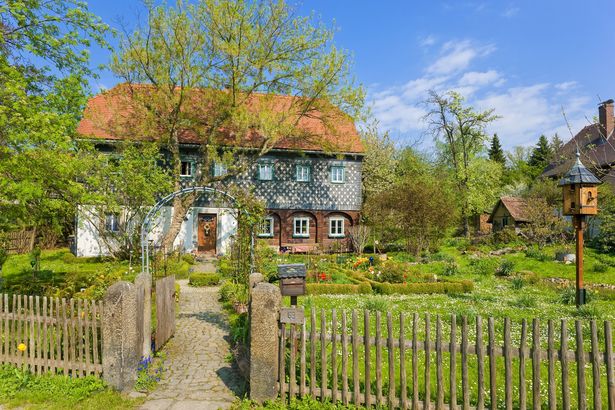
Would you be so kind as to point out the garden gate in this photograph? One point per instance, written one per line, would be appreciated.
(165, 310)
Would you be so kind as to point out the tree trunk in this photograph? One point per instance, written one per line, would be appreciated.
(181, 205)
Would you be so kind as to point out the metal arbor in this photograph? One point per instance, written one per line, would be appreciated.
(147, 222)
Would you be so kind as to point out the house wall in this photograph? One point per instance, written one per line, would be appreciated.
(498, 217)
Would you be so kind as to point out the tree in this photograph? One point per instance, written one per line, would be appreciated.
(484, 185)
(496, 153)
(605, 239)
(43, 72)
(214, 68)
(541, 154)
(378, 167)
(556, 145)
(460, 137)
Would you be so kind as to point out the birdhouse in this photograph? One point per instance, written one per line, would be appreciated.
(580, 190)
(292, 279)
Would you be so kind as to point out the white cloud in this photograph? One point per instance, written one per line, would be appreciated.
(428, 41)
(510, 11)
(480, 78)
(457, 56)
(525, 110)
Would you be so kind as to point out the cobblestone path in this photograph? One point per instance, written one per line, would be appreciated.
(197, 375)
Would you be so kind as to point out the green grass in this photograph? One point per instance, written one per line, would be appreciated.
(22, 389)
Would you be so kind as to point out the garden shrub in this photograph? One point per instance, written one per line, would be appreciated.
(331, 289)
(393, 272)
(365, 288)
(419, 288)
(517, 282)
(483, 266)
(451, 267)
(600, 268)
(529, 277)
(525, 301)
(535, 253)
(68, 258)
(189, 258)
(506, 268)
(568, 295)
(377, 304)
(204, 279)
(506, 236)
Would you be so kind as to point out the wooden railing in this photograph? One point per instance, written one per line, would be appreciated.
(51, 334)
(431, 362)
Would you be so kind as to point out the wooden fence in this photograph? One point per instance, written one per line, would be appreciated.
(165, 310)
(424, 362)
(19, 241)
(51, 334)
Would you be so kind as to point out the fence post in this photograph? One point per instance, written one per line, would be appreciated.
(264, 315)
(144, 336)
(121, 348)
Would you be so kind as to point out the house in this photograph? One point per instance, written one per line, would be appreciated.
(596, 144)
(510, 211)
(311, 188)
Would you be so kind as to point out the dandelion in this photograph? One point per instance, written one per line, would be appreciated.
(21, 347)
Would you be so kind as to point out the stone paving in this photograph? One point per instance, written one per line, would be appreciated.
(198, 374)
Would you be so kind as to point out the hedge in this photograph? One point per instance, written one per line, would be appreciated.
(421, 288)
(331, 289)
(204, 279)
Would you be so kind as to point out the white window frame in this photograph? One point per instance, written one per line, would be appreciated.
(219, 169)
(302, 173)
(299, 223)
(112, 222)
(190, 169)
(262, 173)
(264, 234)
(338, 178)
(334, 224)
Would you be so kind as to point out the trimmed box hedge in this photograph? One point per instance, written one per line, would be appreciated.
(331, 289)
(204, 279)
(421, 288)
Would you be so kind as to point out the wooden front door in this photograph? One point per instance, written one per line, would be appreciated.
(207, 233)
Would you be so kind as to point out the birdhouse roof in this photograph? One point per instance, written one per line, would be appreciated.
(578, 174)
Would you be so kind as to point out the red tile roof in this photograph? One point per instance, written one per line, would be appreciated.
(111, 115)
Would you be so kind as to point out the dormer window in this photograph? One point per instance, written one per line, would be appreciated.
(219, 169)
(186, 169)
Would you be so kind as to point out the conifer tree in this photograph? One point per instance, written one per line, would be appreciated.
(541, 154)
(495, 151)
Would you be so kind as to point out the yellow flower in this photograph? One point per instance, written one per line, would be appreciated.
(21, 347)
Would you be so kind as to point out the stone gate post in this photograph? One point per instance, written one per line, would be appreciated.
(265, 305)
(121, 346)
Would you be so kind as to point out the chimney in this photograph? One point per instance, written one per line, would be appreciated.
(605, 116)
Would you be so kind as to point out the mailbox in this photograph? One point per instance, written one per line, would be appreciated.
(292, 279)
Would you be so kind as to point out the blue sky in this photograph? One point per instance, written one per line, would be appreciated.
(529, 60)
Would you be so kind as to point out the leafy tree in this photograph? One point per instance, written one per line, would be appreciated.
(556, 145)
(43, 72)
(379, 163)
(541, 154)
(484, 185)
(213, 69)
(605, 239)
(496, 153)
(460, 137)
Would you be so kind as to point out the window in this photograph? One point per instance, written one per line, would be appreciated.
(112, 222)
(219, 169)
(302, 228)
(265, 172)
(337, 174)
(303, 173)
(336, 227)
(505, 221)
(186, 169)
(266, 228)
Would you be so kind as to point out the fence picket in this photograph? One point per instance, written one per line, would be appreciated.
(480, 403)
(323, 354)
(493, 398)
(378, 361)
(292, 365)
(551, 366)
(402, 363)
(302, 386)
(368, 359)
(3, 333)
(355, 360)
(344, 360)
(73, 340)
(427, 401)
(595, 355)
(39, 341)
(313, 353)
(522, 356)
(465, 385)
(507, 366)
(415, 362)
(536, 400)
(86, 330)
(45, 349)
(334, 356)
(7, 330)
(79, 336)
(581, 391)
(610, 377)
(453, 363)
(282, 361)
(439, 377)
(391, 356)
(564, 365)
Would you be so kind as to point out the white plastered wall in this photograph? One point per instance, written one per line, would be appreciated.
(88, 242)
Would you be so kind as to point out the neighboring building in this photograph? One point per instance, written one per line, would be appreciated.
(312, 190)
(596, 144)
(510, 211)
(481, 224)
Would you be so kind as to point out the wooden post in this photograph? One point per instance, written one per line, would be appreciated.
(579, 224)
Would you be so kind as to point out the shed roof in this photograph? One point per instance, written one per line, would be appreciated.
(517, 208)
